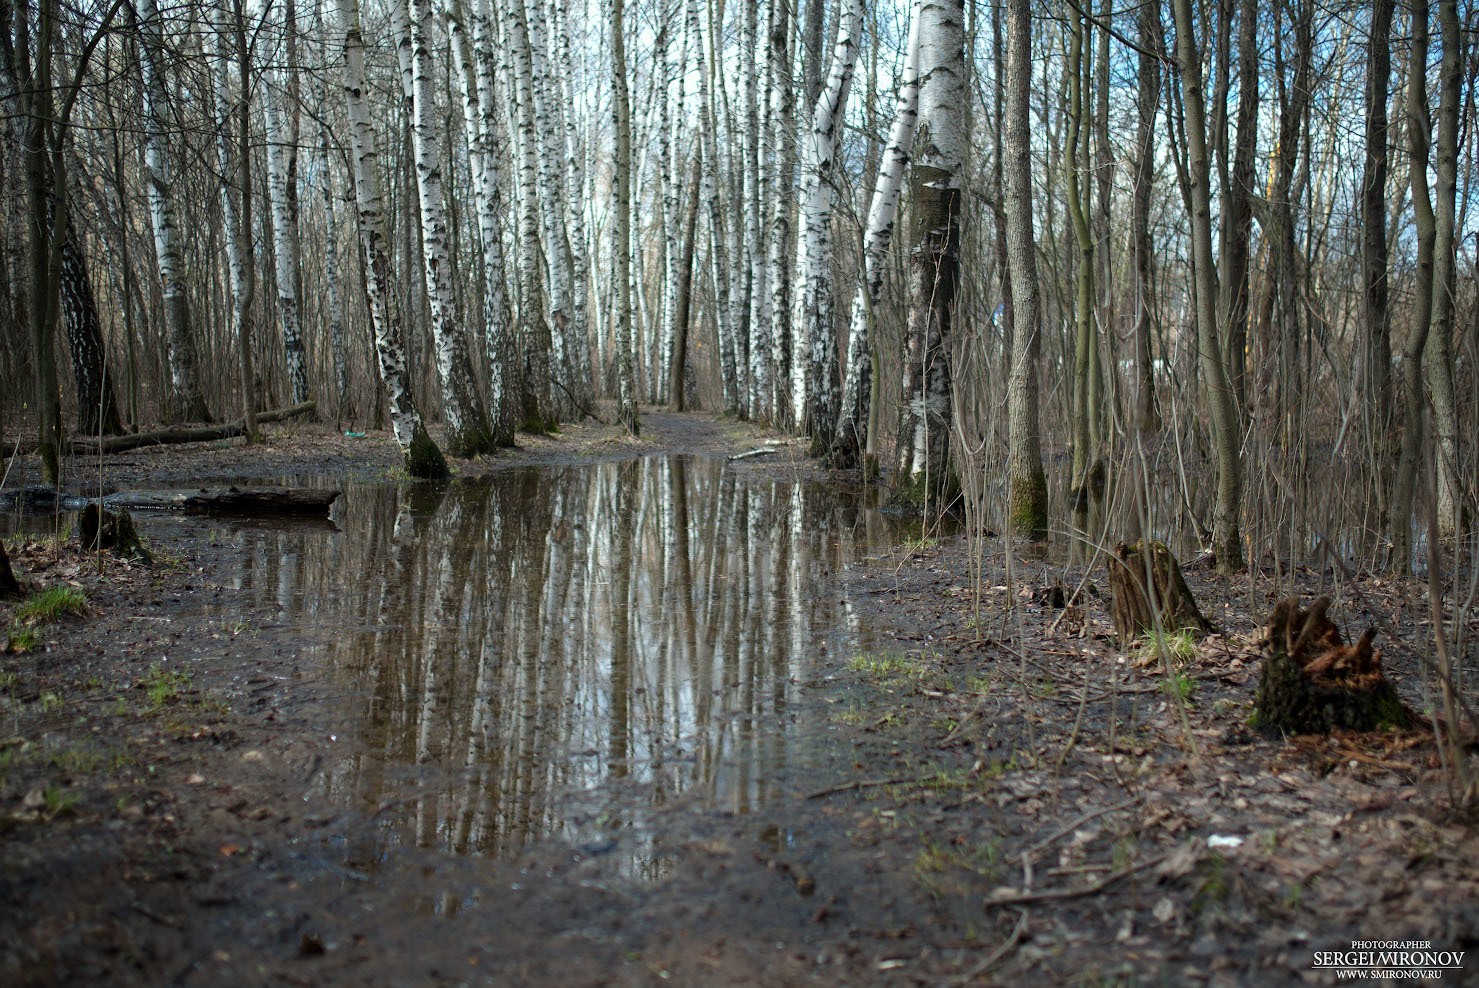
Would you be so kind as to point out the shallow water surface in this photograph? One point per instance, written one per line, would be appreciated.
(564, 651)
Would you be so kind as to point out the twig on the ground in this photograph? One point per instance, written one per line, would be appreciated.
(990, 960)
(859, 784)
(1057, 894)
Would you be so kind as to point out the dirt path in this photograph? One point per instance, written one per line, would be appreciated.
(994, 800)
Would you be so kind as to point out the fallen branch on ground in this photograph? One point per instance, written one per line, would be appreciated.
(186, 434)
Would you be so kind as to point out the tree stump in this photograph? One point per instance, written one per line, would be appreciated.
(1312, 682)
(100, 528)
(9, 586)
(1131, 604)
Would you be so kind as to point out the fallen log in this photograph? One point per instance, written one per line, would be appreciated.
(281, 501)
(1312, 682)
(1132, 597)
(185, 434)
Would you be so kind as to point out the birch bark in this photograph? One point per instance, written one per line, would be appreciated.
(468, 431)
(421, 455)
(924, 477)
(814, 374)
(280, 203)
(852, 423)
(187, 400)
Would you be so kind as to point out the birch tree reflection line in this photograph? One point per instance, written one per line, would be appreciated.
(940, 237)
(623, 633)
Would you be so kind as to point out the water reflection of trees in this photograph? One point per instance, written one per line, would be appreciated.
(557, 651)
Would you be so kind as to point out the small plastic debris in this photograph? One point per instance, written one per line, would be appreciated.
(1224, 840)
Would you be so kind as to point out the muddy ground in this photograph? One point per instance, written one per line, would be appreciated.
(1001, 795)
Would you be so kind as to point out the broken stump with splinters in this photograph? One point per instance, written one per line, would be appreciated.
(1139, 575)
(1312, 682)
(100, 528)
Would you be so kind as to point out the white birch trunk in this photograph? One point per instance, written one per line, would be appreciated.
(852, 424)
(924, 435)
(187, 400)
(280, 204)
(468, 432)
(754, 313)
(421, 455)
(814, 372)
(235, 181)
(577, 340)
(780, 246)
(549, 141)
(473, 55)
(539, 411)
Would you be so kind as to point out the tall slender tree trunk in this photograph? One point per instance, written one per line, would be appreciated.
(468, 430)
(280, 202)
(678, 362)
(851, 436)
(187, 400)
(1028, 486)
(1377, 380)
(1150, 36)
(925, 476)
(1226, 540)
(1419, 131)
(421, 455)
(233, 154)
(626, 397)
(1237, 225)
(473, 54)
(814, 371)
(1086, 343)
(1439, 352)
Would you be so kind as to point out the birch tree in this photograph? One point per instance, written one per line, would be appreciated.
(422, 457)
(1028, 487)
(468, 431)
(472, 53)
(233, 154)
(852, 436)
(814, 376)
(280, 201)
(187, 400)
(924, 475)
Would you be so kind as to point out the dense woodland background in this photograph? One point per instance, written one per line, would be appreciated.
(1208, 265)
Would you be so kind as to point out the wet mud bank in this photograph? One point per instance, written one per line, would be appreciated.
(845, 754)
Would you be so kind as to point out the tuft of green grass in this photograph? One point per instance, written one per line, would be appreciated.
(886, 665)
(58, 801)
(163, 685)
(50, 605)
(1180, 686)
(1180, 645)
(19, 641)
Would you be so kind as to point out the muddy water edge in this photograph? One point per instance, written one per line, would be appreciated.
(454, 739)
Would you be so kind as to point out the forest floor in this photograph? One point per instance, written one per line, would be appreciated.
(1001, 795)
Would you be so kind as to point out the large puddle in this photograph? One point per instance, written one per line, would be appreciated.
(562, 651)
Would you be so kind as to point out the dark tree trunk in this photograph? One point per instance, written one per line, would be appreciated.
(678, 365)
(97, 408)
(1146, 582)
(9, 586)
(1313, 683)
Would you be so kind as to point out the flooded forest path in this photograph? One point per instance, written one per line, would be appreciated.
(628, 711)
